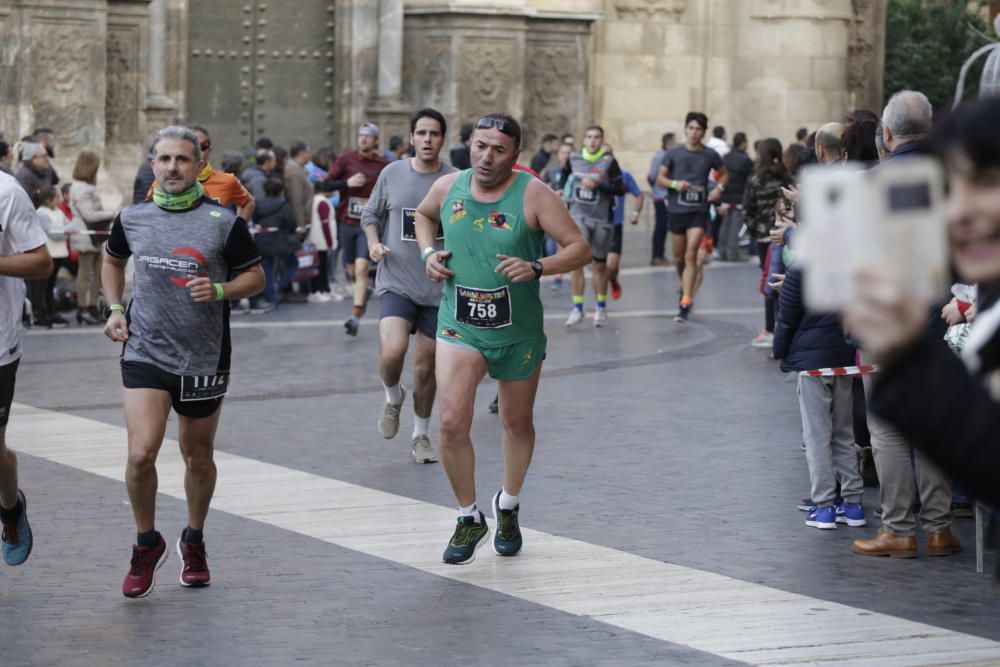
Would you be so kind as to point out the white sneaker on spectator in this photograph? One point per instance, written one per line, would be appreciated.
(319, 297)
(763, 339)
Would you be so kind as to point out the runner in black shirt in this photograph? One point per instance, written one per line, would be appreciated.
(191, 256)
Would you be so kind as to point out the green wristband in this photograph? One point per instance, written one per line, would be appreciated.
(219, 293)
(428, 251)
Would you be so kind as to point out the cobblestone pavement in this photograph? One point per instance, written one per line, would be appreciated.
(675, 443)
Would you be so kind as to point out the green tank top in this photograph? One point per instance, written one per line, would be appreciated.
(479, 306)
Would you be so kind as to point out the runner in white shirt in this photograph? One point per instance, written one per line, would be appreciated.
(22, 255)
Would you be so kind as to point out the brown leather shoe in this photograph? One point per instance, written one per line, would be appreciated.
(942, 543)
(659, 261)
(886, 543)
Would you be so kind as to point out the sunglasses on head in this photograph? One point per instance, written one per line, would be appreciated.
(501, 125)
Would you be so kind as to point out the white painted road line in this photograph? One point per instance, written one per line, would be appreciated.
(706, 611)
(252, 322)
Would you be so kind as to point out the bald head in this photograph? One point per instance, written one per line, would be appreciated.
(828, 142)
(906, 118)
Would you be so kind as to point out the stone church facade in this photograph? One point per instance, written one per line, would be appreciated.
(106, 73)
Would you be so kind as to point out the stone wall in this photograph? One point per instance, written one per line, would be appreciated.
(78, 67)
(471, 61)
(764, 67)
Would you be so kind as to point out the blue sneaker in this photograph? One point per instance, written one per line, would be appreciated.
(468, 537)
(806, 504)
(507, 538)
(17, 536)
(824, 518)
(853, 514)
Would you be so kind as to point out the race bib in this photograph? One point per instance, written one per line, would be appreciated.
(204, 387)
(410, 225)
(483, 309)
(355, 205)
(583, 195)
(693, 196)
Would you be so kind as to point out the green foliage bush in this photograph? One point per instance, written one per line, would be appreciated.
(926, 43)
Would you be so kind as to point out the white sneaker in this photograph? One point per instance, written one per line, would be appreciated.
(600, 317)
(763, 340)
(388, 421)
(575, 316)
(314, 298)
(334, 296)
(422, 451)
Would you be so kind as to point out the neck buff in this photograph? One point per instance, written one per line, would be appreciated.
(205, 173)
(179, 202)
(592, 157)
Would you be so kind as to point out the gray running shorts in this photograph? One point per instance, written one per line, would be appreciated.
(599, 235)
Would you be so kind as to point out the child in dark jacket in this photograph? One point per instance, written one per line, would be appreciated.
(803, 341)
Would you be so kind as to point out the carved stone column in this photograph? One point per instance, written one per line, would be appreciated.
(866, 54)
(127, 74)
(160, 108)
(390, 49)
(356, 65)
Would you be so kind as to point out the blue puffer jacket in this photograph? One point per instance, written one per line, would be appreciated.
(803, 340)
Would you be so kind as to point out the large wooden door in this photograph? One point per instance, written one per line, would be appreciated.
(261, 68)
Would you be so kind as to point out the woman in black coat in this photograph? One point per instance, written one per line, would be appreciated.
(277, 241)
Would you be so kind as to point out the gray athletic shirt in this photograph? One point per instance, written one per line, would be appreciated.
(694, 167)
(166, 327)
(392, 205)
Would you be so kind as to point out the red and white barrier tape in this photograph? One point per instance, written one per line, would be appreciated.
(843, 370)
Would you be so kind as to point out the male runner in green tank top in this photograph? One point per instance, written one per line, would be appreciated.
(490, 318)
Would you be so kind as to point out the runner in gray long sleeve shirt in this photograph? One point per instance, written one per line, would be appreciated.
(407, 299)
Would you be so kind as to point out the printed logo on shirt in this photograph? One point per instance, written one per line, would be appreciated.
(185, 263)
(498, 220)
(457, 211)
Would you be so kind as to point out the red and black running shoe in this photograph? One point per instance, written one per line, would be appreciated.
(194, 564)
(141, 577)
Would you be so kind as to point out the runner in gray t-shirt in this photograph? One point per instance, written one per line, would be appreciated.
(685, 172)
(408, 300)
(191, 257)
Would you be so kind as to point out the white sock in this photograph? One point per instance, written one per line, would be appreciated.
(471, 510)
(393, 394)
(420, 425)
(507, 501)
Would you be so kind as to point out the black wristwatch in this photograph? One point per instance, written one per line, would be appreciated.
(537, 267)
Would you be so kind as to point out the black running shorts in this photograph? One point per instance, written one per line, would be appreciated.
(680, 223)
(352, 242)
(421, 318)
(616, 241)
(8, 374)
(195, 396)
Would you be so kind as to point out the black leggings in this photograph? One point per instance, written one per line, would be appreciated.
(762, 250)
(321, 281)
